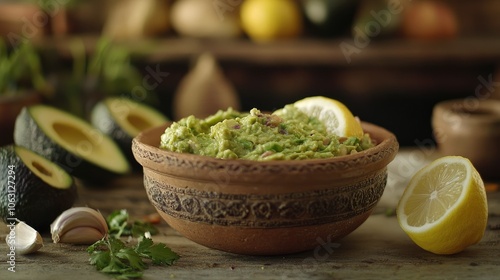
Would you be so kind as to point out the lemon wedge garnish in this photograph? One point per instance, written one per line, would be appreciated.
(337, 118)
(444, 208)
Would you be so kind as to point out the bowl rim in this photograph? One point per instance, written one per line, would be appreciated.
(386, 144)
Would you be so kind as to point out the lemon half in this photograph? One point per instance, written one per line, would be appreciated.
(444, 208)
(337, 118)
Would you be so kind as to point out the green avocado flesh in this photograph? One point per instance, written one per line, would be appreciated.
(123, 119)
(33, 189)
(126, 115)
(286, 134)
(74, 144)
(44, 169)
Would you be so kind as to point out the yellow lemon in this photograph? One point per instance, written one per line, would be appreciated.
(335, 115)
(266, 20)
(444, 208)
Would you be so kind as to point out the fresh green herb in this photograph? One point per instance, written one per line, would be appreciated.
(51, 6)
(107, 70)
(21, 70)
(111, 256)
(158, 253)
(120, 225)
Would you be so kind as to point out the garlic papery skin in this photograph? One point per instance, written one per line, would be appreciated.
(79, 225)
(26, 239)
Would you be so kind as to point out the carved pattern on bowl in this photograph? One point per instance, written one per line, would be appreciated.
(267, 210)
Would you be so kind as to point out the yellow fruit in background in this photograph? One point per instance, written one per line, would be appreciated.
(444, 208)
(267, 20)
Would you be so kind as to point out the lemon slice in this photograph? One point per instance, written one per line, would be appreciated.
(335, 115)
(444, 208)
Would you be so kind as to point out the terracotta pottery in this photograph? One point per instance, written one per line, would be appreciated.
(470, 128)
(264, 208)
(10, 106)
(22, 21)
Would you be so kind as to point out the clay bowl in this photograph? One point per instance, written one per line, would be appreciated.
(264, 208)
(470, 128)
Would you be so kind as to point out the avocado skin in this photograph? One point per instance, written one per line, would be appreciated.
(28, 134)
(102, 119)
(33, 197)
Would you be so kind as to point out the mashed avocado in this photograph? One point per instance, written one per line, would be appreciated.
(286, 134)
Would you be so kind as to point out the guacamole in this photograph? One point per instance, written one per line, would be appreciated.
(286, 134)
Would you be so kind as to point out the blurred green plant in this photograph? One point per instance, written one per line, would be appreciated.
(50, 5)
(107, 71)
(21, 70)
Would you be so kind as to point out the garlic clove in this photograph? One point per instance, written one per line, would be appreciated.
(81, 235)
(26, 239)
(79, 225)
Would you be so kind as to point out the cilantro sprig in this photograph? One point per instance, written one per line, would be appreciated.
(120, 225)
(112, 256)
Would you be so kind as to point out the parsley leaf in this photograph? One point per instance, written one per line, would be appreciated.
(110, 255)
(139, 228)
(119, 225)
(159, 253)
(117, 222)
(100, 260)
(133, 258)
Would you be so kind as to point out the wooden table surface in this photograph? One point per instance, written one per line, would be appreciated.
(378, 249)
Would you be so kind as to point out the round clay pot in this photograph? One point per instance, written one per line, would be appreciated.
(470, 128)
(264, 207)
(10, 107)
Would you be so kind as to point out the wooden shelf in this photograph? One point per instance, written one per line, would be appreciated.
(393, 83)
(395, 52)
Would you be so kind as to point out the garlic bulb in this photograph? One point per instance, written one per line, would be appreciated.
(204, 91)
(24, 239)
(79, 225)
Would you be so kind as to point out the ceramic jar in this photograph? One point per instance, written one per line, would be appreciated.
(470, 128)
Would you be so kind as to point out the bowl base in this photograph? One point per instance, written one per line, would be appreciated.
(255, 241)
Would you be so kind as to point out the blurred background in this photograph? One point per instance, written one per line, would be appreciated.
(389, 61)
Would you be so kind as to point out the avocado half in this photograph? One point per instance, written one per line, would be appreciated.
(123, 119)
(32, 188)
(80, 149)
